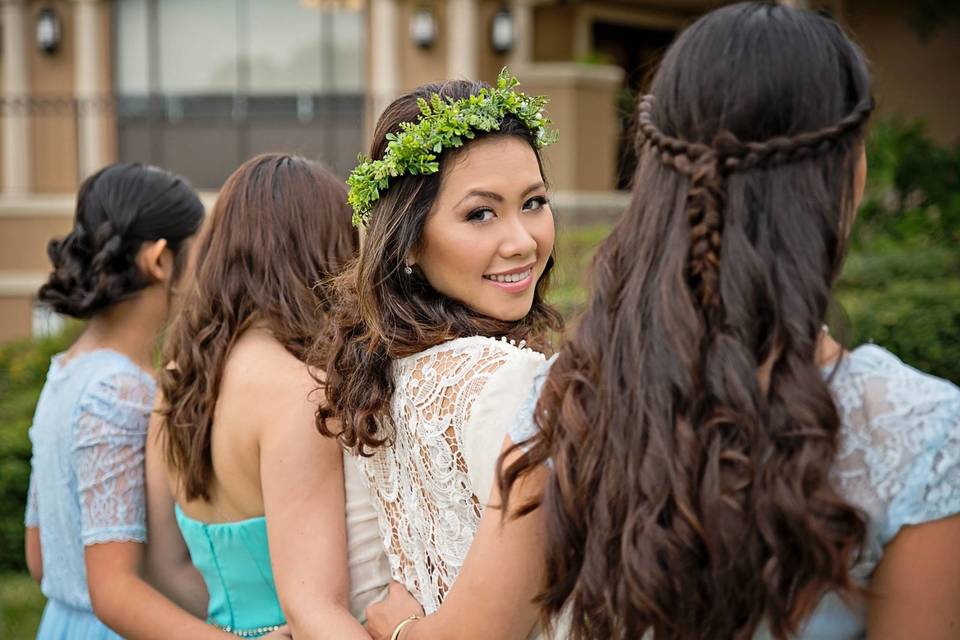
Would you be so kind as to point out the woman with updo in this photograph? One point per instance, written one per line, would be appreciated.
(117, 269)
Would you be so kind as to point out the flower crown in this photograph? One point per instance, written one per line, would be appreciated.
(443, 123)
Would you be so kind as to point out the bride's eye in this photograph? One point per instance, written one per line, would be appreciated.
(535, 204)
(480, 215)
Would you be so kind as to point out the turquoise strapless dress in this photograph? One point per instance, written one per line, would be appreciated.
(234, 559)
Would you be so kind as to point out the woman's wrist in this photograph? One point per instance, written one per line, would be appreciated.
(405, 624)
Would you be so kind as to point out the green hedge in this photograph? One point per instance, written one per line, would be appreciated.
(918, 321)
(21, 605)
(23, 366)
(901, 285)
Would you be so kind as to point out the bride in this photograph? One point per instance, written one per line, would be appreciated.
(439, 327)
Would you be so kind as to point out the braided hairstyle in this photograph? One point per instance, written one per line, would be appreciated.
(690, 429)
(118, 209)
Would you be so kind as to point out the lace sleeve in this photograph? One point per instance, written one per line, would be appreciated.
(31, 518)
(493, 413)
(523, 426)
(900, 459)
(109, 438)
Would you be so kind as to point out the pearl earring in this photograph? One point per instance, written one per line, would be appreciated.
(407, 269)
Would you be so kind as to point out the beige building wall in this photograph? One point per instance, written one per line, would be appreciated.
(26, 226)
(914, 78)
(27, 223)
(53, 119)
(553, 31)
(585, 156)
(489, 61)
(54, 122)
(585, 159)
(420, 66)
(16, 314)
(23, 246)
(107, 120)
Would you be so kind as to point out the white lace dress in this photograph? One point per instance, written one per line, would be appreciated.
(451, 407)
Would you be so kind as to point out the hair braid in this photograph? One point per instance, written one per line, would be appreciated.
(744, 156)
(707, 166)
(705, 200)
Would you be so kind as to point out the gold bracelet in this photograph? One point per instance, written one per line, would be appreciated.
(397, 629)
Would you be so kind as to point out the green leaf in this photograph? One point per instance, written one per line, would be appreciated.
(443, 123)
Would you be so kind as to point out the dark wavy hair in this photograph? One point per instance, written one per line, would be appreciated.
(381, 313)
(690, 429)
(118, 209)
(280, 225)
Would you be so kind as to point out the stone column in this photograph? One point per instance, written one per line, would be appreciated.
(522, 53)
(384, 43)
(92, 89)
(463, 25)
(15, 92)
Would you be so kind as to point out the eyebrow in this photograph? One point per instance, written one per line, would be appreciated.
(490, 195)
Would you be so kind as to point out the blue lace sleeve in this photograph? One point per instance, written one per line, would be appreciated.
(900, 458)
(523, 427)
(931, 486)
(109, 438)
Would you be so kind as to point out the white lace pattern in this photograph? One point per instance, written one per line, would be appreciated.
(428, 509)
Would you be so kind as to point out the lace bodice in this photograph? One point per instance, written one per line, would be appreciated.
(899, 460)
(451, 406)
(86, 482)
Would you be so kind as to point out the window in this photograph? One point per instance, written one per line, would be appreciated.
(204, 84)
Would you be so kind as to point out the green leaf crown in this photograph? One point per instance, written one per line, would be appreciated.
(443, 124)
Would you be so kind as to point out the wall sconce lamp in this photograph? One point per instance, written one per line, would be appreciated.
(423, 28)
(49, 30)
(501, 31)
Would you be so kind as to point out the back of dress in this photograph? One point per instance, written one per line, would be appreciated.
(451, 407)
(86, 483)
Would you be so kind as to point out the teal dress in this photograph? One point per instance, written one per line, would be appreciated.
(234, 560)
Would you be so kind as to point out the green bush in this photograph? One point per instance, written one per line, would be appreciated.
(913, 190)
(21, 605)
(23, 367)
(917, 320)
(901, 284)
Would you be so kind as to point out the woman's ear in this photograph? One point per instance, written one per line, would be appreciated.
(155, 260)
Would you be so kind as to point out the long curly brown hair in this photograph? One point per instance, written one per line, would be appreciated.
(381, 313)
(690, 429)
(280, 226)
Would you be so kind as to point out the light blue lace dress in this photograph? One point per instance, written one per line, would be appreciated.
(87, 481)
(899, 462)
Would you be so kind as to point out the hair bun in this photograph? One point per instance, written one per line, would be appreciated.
(118, 209)
(82, 282)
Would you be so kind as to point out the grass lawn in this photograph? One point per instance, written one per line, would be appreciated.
(574, 249)
(21, 604)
